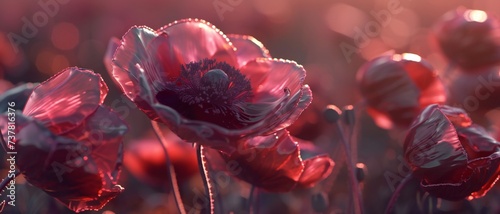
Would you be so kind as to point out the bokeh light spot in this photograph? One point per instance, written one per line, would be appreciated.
(65, 36)
(475, 15)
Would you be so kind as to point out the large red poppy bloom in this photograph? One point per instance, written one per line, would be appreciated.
(277, 162)
(205, 86)
(67, 143)
(454, 158)
(397, 87)
(469, 38)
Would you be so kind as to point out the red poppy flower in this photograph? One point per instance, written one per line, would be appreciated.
(454, 158)
(67, 143)
(208, 87)
(397, 87)
(145, 159)
(469, 38)
(275, 162)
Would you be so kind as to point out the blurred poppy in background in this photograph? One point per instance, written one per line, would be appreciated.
(396, 87)
(145, 159)
(469, 39)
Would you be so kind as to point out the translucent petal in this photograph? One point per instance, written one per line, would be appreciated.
(432, 146)
(195, 40)
(273, 77)
(82, 175)
(316, 169)
(62, 102)
(102, 132)
(271, 162)
(247, 48)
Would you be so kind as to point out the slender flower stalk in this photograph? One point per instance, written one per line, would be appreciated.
(332, 115)
(170, 169)
(203, 166)
(253, 200)
(396, 193)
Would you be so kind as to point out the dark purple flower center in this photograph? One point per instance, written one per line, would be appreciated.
(210, 91)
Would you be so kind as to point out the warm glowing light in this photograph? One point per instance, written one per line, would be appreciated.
(475, 15)
(412, 57)
(360, 165)
(397, 57)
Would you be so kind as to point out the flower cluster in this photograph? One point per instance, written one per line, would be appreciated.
(222, 92)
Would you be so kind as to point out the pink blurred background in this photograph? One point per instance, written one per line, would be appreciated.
(330, 38)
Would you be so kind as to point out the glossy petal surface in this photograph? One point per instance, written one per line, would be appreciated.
(270, 162)
(247, 48)
(454, 158)
(274, 163)
(65, 100)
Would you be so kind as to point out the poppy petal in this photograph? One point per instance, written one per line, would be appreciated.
(72, 172)
(315, 170)
(273, 77)
(194, 40)
(271, 162)
(432, 146)
(93, 204)
(62, 102)
(103, 132)
(248, 48)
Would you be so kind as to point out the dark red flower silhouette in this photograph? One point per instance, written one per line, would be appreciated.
(397, 87)
(275, 162)
(18, 94)
(205, 86)
(145, 159)
(68, 144)
(454, 158)
(469, 38)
